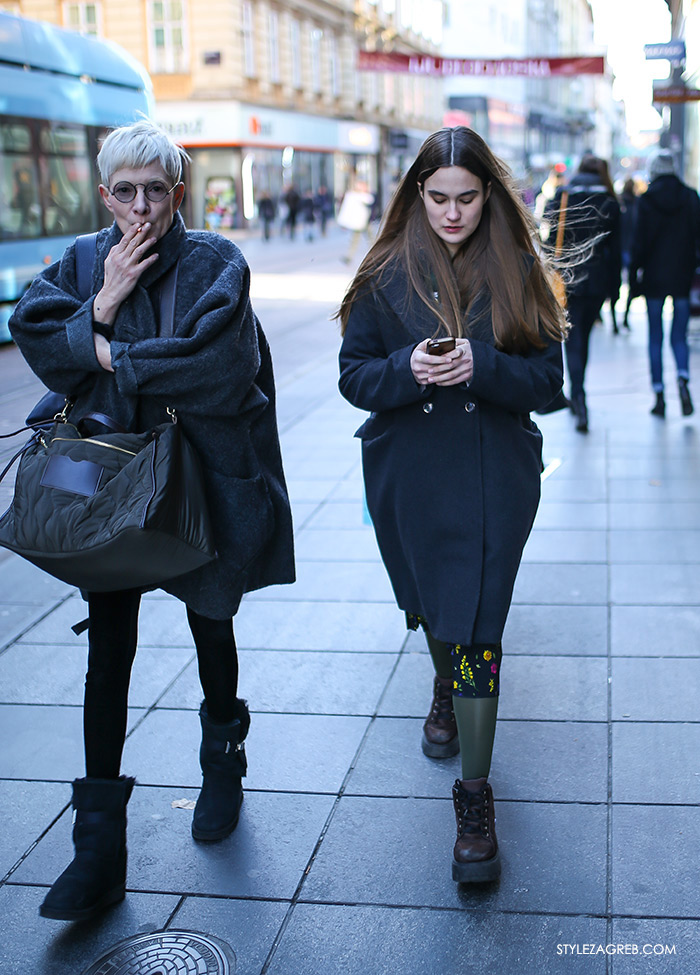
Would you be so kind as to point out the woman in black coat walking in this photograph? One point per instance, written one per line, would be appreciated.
(591, 214)
(105, 353)
(451, 458)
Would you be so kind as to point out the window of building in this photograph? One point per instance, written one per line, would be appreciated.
(273, 40)
(247, 30)
(316, 37)
(168, 37)
(82, 17)
(295, 44)
(334, 65)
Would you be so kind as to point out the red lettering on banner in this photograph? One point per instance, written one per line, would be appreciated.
(479, 67)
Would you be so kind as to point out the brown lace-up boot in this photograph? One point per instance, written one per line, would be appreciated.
(440, 729)
(476, 857)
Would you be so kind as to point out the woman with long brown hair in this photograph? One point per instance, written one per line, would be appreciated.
(451, 458)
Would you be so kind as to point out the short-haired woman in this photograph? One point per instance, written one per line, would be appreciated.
(105, 354)
(451, 458)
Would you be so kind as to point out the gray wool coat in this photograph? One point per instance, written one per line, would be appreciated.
(215, 371)
(452, 473)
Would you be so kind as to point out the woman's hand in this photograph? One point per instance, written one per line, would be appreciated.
(124, 265)
(103, 351)
(449, 369)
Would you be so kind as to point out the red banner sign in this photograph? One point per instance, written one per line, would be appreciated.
(421, 64)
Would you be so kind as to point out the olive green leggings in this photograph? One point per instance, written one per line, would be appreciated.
(475, 716)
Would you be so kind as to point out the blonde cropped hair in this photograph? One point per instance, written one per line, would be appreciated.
(137, 145)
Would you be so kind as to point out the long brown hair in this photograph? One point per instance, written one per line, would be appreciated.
(492, 260)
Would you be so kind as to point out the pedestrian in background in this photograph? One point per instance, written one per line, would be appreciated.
(105, 355)
(308, 213)
(629, 202)
(451, 458)
(355, 214)
(292, 201)
(665, 253)
(324, 208)
(266, 212)
(590, 212)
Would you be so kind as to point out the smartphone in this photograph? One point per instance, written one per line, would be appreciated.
(441, 346)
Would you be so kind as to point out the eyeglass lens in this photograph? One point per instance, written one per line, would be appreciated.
(155, 191)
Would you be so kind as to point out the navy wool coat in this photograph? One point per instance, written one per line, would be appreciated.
(215, 371)
(452, 474)
(667, 239)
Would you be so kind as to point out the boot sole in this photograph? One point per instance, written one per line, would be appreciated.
(112, 897)
(434, 750)
(479, 872)
(215, 835)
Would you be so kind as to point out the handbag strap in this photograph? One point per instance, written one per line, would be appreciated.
(85, 251)
(563, 204)
(166, 318)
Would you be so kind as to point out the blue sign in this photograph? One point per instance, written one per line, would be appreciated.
(670, 51)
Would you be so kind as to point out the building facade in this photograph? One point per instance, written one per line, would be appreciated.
(265, 94)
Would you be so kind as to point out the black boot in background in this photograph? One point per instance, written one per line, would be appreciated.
(96, 878)
(578, 405)
(440, 738)
(686, 401)
(659, 407)
(223, 762)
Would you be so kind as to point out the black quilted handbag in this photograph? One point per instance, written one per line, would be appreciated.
(111, 511)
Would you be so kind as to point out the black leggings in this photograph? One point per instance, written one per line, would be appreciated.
(113, 635)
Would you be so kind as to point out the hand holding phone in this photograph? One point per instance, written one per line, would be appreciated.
(440, 346)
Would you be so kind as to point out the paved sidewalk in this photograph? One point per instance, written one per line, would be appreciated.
(341, 861)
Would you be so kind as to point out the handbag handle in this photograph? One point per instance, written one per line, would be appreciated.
(563, 204)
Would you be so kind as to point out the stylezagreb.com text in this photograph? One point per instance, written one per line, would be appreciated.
(616, 949)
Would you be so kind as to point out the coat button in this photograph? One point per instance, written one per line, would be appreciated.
(470, 407)
(427, 407)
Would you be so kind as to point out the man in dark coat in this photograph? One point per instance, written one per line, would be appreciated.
(665, 254)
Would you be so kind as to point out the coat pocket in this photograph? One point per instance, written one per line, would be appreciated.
(243, 517)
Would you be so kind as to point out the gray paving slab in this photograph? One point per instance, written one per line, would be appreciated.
(552, 545)
(305, 625)
(302, 682)
(559, 583)
(377, 940)
(561, 488)
(572, 515)
(332, 582)
(667, 584)
(654, 490)
(248, 926)
(533, 761)
(637, 684)
(654, 545)
(45, 674)
(291, 752)
(44, 743)
(22, 583)
(557, 630)
(652, 879)
(31, 944)
(16, 619)
(337, 545)
(655, 630)
(29, 808)
(554, 857)
(681, 515)
(656, 762)
(663, 947)
(265, 857)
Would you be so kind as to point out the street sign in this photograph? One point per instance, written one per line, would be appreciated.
(676, 93)
(669, 51)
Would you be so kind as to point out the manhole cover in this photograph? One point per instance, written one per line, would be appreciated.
(167, 953)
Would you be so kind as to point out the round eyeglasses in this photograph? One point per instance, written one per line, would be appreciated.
(155, 191)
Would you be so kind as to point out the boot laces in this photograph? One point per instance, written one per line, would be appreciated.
(472, 810)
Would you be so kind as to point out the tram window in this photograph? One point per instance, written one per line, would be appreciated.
(68, 201)
(20, 210)
(64, 140)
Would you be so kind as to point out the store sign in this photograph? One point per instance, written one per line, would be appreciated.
(479, 67)
(670, 51)
(675, 93)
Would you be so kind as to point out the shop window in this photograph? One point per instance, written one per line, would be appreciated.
(168, 51)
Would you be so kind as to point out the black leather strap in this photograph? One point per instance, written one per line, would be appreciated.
(105, 421)
(85, 250)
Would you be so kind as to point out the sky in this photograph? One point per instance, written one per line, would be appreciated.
(625, 26)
